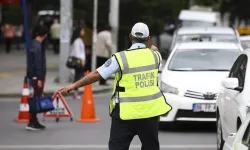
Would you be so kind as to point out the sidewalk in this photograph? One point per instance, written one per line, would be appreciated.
(12, 74)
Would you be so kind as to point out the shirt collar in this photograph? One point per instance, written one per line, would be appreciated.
(138, 45)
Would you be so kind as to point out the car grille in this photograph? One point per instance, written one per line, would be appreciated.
(198, 95)
(191, 114)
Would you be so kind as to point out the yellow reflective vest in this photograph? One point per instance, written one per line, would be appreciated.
(137, 85)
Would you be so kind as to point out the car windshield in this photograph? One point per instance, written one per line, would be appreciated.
(203, 60)
(189, 23)
(207, 37)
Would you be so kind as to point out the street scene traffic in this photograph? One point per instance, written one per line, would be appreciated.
(120, 75)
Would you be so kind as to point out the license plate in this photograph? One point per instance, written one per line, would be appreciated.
(201, 107)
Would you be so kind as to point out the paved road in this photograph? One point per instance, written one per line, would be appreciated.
(92, 136)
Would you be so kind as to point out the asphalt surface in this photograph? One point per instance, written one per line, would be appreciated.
(69, 135)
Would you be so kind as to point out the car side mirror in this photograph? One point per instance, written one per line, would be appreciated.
(230, 83)
(240, 89)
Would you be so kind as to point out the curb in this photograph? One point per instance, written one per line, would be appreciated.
(15, 95)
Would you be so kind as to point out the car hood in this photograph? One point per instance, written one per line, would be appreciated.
(199, 81)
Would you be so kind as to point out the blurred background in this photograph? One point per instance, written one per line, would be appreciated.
(156, 14)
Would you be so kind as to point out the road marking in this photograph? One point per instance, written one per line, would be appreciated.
(100, 146)
(21, 72)
(5, 75)
(52, 66)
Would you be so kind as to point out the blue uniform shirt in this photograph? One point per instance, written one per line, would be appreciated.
(111, 66)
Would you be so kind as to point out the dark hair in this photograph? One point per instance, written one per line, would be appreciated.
(41, 30)
(107, 27)
(139, 39)
(76, 33)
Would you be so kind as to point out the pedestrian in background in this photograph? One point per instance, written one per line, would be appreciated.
(78, 51)
(19, 35)
(55, 35)
(9, 33)
(36, 70)
(103, 48)
(38, 25)
(136, 101)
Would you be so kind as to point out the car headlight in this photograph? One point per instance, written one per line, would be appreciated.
(169, 89)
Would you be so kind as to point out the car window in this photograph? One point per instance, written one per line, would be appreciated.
(189, 23)
(246, 136)
(203, 59)
(239, 69)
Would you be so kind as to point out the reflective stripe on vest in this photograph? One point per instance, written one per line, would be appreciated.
(137, 69)
(141, 98)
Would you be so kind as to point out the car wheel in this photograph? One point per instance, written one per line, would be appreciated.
(220, 141)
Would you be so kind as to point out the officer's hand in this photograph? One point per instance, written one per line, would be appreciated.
(82, 63)
(66, 90)
(154, 48)
(39, 83)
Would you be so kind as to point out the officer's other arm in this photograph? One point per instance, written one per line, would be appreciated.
(154, 48)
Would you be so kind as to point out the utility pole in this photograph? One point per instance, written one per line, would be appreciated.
(65, 34)
(93, 66)
(114, 22)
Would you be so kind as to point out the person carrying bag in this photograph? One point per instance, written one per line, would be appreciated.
(40, 104)
(77, 56)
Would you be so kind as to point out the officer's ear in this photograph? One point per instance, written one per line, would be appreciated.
(130, 36)
(148, 42)
(148, 38)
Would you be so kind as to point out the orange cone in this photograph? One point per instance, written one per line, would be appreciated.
(88, 109)
(24, 106)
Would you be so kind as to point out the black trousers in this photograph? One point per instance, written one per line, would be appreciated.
(123, 131)
(79, 73)
(100, 62)
(56, 43)
(8, 42)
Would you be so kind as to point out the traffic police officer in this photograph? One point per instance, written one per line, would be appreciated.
(136, 101)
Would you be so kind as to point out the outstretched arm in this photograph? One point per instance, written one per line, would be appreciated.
(88, 79)
(106, 70)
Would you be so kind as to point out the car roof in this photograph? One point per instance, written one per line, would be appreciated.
(207, 45)
(205, 30)
(197, 15)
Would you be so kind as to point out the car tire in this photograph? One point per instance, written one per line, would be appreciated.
(220, 141)
(166, 125)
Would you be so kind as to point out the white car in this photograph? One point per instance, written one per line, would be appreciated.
(196, 18)
(241, 139)
(233, 102)
(192, 77)
(212, 34)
